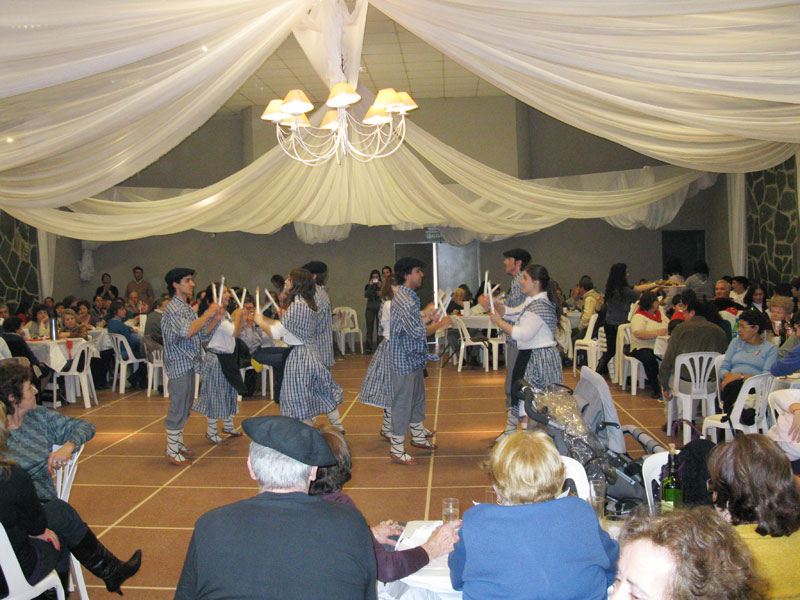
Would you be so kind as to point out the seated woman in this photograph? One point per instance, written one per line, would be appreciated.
(39, 326)
(70, 327)
(682, 555)
(28, 434)
(780, 311)
(84, 317)
(391, 565)
(753, 488)
(532, 544)
(647, 324)
(747, 355)
(756, 297)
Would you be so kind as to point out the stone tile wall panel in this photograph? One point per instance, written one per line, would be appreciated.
(19, 263)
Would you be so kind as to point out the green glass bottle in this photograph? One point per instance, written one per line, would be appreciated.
(671, 486)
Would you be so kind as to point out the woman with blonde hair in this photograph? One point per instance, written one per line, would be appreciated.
(532, 544)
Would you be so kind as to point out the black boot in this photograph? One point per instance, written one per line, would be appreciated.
(101, 563)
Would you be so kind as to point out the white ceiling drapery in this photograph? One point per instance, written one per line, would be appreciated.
(91, 93)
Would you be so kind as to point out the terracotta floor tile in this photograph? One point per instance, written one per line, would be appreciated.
(186, 505)
(100, 506)
(379, 505)
(381, 472)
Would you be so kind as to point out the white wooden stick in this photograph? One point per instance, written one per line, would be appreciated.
(494, 289)
(240, 301)
(488, 286)
(258, 299)
(445, 303)
(235, 297)
(486, 281)
(271, 300)
(214, 293)
(221, 288)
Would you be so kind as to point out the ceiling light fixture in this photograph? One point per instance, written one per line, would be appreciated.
(378, 135)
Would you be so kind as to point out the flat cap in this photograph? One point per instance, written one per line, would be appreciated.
(518, 254)
(176, 274)
(316, 267)
(291, 437)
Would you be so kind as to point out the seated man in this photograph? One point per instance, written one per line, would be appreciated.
(591, 301)
(722, 298)
(263, 349)
(17, 346)
(153, 325)
(695, 334)
(281, 543)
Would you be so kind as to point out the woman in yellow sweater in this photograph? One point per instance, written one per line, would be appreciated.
(754, 488)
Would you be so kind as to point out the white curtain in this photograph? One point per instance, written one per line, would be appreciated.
(712, 86)
(737, 222)
(94, 91)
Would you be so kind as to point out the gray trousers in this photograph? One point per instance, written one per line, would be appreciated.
(408, 403)
(511, 360)
(181, 396)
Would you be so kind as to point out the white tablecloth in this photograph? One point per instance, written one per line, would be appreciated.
(432, 582)
(53, 354)
(574, 318)
(99, 337)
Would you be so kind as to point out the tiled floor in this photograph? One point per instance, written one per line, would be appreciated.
(133, 498)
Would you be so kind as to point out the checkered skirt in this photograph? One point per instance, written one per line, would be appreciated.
(376, 390)
(308, 389)
(217, 399)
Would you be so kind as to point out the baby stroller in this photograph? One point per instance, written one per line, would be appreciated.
(584, 425)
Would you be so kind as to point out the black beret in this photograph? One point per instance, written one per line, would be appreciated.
(316, 267)
(175, 275)
(518, 254)
(291, 437)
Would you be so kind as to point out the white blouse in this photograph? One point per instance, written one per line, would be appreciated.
(386, 309)
(642, 323)
(223, 342)
(530, 330)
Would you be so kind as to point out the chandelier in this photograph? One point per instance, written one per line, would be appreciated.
(340, 134)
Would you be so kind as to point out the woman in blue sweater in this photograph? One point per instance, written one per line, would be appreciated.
(532, 544)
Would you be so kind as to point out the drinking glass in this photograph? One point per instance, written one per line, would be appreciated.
(597, 497)
(450, 510)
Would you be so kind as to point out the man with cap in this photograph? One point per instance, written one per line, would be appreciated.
(515, 262)
(324, 345)
(179, 327)
(408, 332)
(281, 543)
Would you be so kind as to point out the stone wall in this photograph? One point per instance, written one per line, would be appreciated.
(19, 262)
(773, 246)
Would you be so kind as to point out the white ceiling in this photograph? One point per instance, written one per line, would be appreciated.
(391, 57)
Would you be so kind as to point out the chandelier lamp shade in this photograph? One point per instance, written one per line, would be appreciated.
(379, 134)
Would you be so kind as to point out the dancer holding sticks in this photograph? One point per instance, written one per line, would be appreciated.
(220, 378)
(307, 388)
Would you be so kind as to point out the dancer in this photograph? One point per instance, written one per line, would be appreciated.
(180, 326)
(376, 390)
(538, 361)
(322, 344)
(220, 378)
(307, 388)
(408, 332)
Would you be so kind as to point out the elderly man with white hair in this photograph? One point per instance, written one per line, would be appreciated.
(281, 543)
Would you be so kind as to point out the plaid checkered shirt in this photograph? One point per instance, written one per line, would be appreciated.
(407, 334)
(514, 298)
(181, 352)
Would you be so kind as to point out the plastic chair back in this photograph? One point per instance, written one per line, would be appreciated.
(66, 474)
(18, 586)
(760, 386)
(651, 471)
(575, 471)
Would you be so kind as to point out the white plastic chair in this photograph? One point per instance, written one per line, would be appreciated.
(588, 345)
(651, 471)
(576, 472)
(348, 325)
(156, 362)
(760, 385)
(495, 343)
(65, 476)
(466, 342)
(564, 335)
(18, 586)
(700, 366)
(266, 372)
(79, 380)
(630, 365)
(121, 364)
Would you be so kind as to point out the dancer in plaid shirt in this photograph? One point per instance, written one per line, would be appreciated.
(515, 262)
(180, 326)
(322, 344)
(408, 330)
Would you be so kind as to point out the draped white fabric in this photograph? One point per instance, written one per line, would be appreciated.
(94, 91)
(737, 224)
(712, 85)
(46, 247)
(276, 190)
